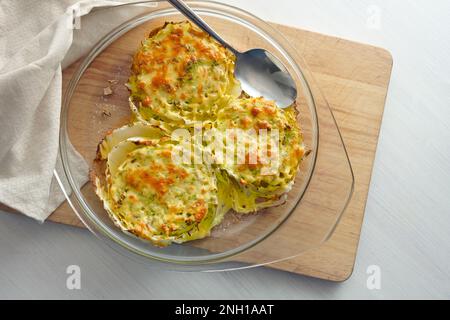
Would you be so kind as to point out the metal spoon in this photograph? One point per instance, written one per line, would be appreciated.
(260, 72)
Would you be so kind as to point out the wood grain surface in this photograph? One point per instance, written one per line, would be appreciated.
(354, 79)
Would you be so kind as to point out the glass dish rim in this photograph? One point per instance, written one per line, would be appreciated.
(114, 34)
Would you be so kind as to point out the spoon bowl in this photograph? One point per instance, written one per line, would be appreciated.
(262, 74)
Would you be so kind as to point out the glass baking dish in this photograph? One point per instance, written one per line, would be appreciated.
(323, 186)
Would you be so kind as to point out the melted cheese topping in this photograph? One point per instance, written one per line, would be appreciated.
(180, 75)
(154, 198)
(267, 167)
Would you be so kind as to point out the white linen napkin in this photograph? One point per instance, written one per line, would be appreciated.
(37, 40)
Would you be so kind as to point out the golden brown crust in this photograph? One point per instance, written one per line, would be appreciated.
(156, 30)
(97, 170)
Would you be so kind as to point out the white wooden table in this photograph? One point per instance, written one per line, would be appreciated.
(406, 231)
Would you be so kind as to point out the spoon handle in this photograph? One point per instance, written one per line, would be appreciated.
(191, 15)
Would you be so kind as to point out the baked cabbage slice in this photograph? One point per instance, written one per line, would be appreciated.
(180, 75)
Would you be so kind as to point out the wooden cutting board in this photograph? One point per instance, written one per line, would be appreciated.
(354, 79)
